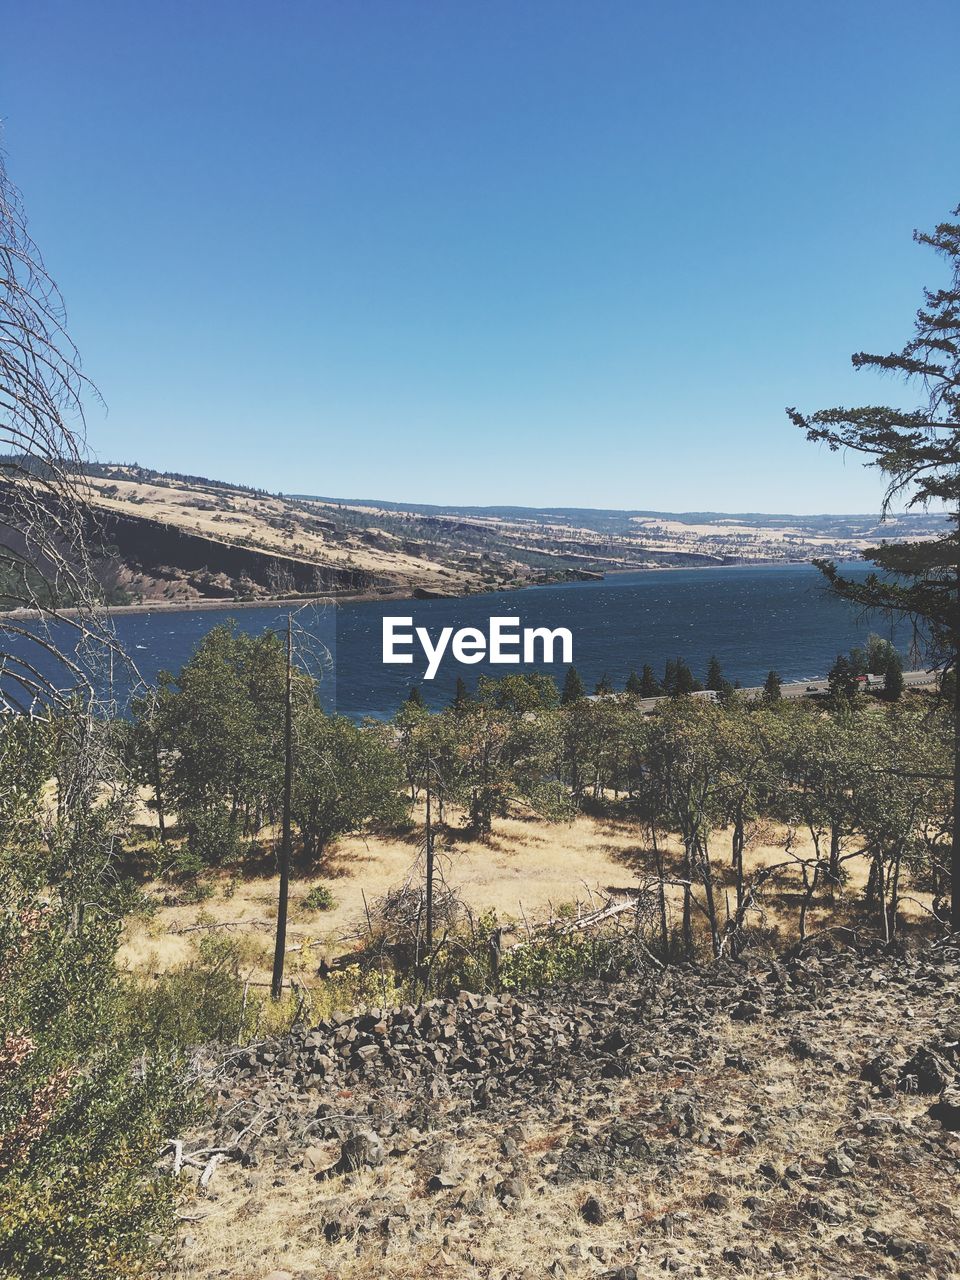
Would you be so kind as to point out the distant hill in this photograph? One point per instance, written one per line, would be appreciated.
(610, 520)
(179, 538)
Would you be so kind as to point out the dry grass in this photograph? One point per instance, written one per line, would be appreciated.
(527, 868)
(248, 1232)
(524, 872)
(252, 1221)
(274, 525)
(658, 1218)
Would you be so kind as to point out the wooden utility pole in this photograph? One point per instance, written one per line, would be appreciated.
(429, 869)
(276, 987)
(955, 840)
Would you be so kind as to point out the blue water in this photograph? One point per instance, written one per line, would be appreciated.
(753, 619)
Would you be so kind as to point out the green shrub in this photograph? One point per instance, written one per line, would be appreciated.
(198, 1001)
(554, 957)
(197, 891)
(319, 899)
(83, 1110)
(131, 900)
(214, 836)
(186, 861)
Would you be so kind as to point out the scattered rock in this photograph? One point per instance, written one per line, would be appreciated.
(594, 1211)
(362, 1150)
(925, 1072)
(621, 1087)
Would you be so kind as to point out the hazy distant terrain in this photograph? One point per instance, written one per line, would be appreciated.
(184, 538)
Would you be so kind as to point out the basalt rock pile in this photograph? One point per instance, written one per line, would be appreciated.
(797, 1116)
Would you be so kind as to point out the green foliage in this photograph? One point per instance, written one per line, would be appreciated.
(319, 898)
(879, 654)
(345, 776)
(197, 890)
(773, 687)
(678, 679)
(555, 957)
(842, 680)
(210, 741)
(550, 957)
(214, 836)
(195, 1003)
(917, 452)
(518, 694)
(462, 695)
(650, 686)
(210, 744)
(185, 863)
(83, 1113)
(573, 687)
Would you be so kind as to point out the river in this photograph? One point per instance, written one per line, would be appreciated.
(753, 618)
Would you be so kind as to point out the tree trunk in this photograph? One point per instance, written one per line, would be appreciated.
(664, 927)
(687, 901)
(707, 876)
(870, 894)
(810, 885)
(158, 790)
(955, 845)
(894, 896)
(739, 840)
(429, 885)
(834, 869)
(276, 986)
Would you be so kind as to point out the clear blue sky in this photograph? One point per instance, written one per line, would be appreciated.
(485, 252)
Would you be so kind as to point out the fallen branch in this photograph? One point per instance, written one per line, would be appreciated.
(222, 924)
(211, 1168)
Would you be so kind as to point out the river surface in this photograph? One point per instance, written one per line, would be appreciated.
(753, 618)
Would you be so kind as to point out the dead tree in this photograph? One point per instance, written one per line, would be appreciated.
(46, 559)
(51, 664)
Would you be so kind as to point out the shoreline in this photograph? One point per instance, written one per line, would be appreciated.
(210, 603)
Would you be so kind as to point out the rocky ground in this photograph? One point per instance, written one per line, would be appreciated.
(797, 1116)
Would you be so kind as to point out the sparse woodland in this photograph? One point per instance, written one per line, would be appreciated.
(860, 778)
(104, 817)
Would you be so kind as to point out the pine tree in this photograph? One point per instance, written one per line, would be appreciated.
(670, 677)
(772, 687)
(415, 697)
(603, 686)
(573, 688)
(634, 685)
(650, 686)
(715, 680)
(893, 677)
(461, 697)
(918, 451)
(683, 682)
(859, 661)
(842, 680)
